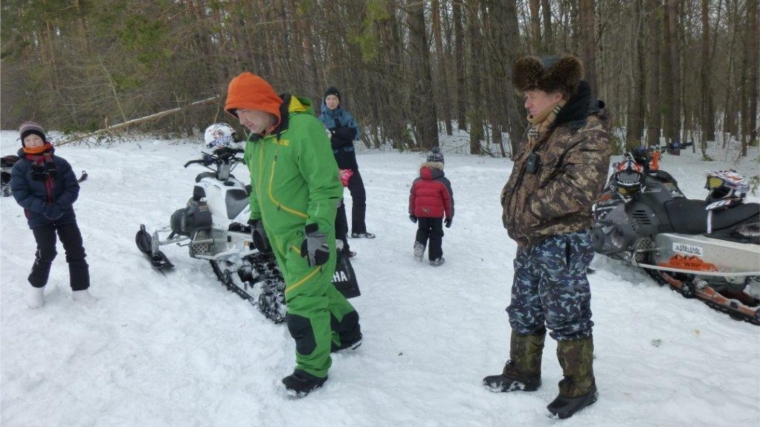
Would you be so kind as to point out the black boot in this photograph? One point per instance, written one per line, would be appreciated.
(351, 343)
(349, 330)
(523, 369)
(578, 389)
(301, 383)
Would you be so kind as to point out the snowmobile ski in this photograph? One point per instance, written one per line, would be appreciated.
(158, 259)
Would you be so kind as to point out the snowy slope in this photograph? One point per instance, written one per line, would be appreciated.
(179, 350)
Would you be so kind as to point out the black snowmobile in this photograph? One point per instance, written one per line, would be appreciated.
(6, 165)
(213, 225)
(708, 249)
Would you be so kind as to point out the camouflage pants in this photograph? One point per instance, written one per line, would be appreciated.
(550, 287)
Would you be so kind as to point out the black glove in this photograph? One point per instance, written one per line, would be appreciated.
(314, 247)
(448, 222)
(259, 235)
(53, 211)
(413, 218)
(344, 132)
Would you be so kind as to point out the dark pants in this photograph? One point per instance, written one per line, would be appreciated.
(341, 226)
(550, 287)
(71, 238)
(431, 228)
(359, 202)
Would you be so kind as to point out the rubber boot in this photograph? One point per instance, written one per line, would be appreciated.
(523, 369)
(578, 389)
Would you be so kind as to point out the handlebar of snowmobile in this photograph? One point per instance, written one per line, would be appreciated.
(214, 159)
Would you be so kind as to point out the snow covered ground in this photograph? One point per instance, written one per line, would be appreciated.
(179, 350)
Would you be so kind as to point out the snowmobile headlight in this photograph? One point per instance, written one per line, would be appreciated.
(617, 238)
(608, 239)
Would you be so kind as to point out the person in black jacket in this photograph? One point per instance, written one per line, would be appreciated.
(343, 132)
(46, 187)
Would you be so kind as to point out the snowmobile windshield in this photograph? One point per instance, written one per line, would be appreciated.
(628, 179)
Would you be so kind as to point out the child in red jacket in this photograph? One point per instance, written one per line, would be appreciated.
(430, 200)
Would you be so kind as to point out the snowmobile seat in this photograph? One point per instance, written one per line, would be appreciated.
(728, 218)
(236, 201)
(687, 216)
(690, 217)
(8, 161)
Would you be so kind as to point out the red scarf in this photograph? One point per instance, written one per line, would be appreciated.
(37, 150)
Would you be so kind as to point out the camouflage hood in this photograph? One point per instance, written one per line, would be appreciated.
(572, 162)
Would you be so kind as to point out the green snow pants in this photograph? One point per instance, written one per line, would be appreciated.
(316, 310)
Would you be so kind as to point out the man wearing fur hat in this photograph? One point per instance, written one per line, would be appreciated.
(547, 210)
(295, 191)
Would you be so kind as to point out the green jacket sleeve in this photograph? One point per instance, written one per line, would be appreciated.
(250, 160)
(317, 165)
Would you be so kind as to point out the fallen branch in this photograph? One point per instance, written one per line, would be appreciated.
(137, 121)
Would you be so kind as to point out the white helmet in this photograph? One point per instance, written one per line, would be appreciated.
(726, 184)
(219, 135)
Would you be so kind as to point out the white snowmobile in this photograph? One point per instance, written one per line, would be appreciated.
(214, 227)
(708, 249)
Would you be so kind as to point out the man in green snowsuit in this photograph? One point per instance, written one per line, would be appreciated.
(294, 197)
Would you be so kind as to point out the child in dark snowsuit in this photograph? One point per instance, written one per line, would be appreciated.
(46, 187)
(430, 200)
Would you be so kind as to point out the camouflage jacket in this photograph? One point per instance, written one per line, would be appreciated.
(574, 158)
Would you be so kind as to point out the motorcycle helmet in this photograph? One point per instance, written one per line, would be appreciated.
(628, 177)
(219, 135)
(725, 185)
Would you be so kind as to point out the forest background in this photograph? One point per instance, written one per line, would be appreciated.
(668, 70)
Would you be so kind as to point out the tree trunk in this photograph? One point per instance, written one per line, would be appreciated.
(752, 53)
(653, 101)
(475, 65)
(708, 119)
(546, 10)
(588, 42)
(535, 26)
(422, 92)
(442, 62)
(666, 87)
(459, 56)
(636, 109)
(675, 70)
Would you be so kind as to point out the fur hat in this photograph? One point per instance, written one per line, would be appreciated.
(549, 74)
(251, 92)
(435, 155)
(28, 128)
(332, 90)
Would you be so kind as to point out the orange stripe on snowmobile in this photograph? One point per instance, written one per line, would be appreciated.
(690, 262)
